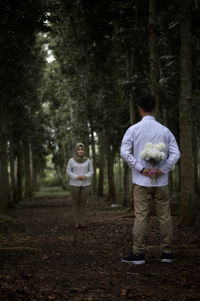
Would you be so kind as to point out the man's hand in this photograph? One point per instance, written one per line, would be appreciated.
(146, 172)
(81, 178)
(158, 173)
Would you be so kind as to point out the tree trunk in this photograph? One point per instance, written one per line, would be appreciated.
(111, 182)
(60, 177)
(4, 186)
(129, 73)
(101, 167)
(132, 112)
(27, 168)
(120, 174)
(12, 171)
(196, 148)
(153, 52)
(35, 179)
(94, 178)
(132, 121)
(126, 185)
(19, 172)
(187, 160)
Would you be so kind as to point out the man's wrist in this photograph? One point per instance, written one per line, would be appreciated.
(141, 171)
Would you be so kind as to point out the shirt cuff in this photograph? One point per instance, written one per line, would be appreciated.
(138, 167)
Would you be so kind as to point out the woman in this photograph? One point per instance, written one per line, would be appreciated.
(80, 170)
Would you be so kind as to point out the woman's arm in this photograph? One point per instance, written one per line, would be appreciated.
(90, 169)
(69, 171)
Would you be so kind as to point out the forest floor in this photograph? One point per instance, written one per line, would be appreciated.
(43, 258)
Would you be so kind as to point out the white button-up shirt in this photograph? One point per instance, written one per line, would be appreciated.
(75, 169)
(133, 143)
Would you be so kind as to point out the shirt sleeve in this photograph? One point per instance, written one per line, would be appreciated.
(69, 171)
(90, 169)
(127, 149)
(173, 154)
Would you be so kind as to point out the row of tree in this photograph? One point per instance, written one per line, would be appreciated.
(21, 61)
(107, 55)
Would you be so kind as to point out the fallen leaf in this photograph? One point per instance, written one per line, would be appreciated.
(123, 291)
(51, 297)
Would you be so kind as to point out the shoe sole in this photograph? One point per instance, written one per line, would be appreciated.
(168, 260)
(134, 262)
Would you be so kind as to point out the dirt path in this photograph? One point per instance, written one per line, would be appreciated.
(43, 258)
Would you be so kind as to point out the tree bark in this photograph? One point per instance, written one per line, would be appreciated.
(19, 172)
(187, 160)
(27, 166)
(4, 186)
(126, 186)
(132, 112)
(101, 167)
(132, 121)
(12, 172)
(94, 178)
(59, 176)
(120, 174)
(111, 182)
(35, 179)
(153, 52)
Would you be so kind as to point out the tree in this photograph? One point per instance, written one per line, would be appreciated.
(154, 51)
(187, 174)
(19, 24)
(4, 186)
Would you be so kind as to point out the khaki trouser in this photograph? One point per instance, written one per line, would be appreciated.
(142, 199)
(79, 197)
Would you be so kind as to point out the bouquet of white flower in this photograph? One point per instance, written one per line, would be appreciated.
(153, 153)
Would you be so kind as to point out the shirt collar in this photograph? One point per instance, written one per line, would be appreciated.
(148, 117)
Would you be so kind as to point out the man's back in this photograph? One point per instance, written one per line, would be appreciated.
(148, 130)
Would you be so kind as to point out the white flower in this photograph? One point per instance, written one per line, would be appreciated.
(160, 146)
(153, 152)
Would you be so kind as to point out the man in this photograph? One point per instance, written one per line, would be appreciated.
(148, 130)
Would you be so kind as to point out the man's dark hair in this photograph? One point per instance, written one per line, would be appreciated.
(147, 103)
